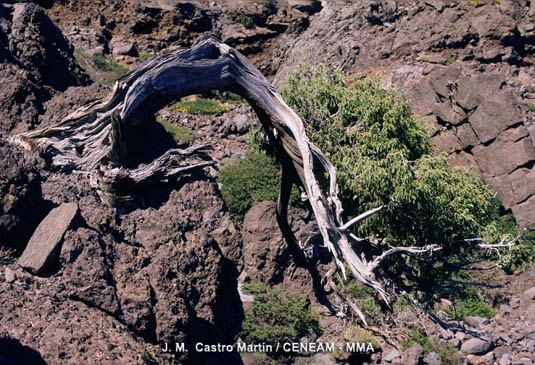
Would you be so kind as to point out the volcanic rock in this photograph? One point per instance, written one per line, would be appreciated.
(44, 246)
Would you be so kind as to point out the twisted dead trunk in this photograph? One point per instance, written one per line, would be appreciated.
(93, 139)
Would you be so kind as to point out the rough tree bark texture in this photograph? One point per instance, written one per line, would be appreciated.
(93, 139)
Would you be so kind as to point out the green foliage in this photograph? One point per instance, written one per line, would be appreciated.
(467, 300)
(106, 64)
(381, 151)
(523, 252)
(201, 106)
(451, 58)
(252, 179)
(447, 352)
(278, 315)
(254, 287)
(101, 68)
(180, 134)
(365, 298)
(359, 334)
(483, 2)
(529, 106)
(145, 55)
(245, 20)
(403, 303)
(471, 305)
(521, 255)
(231, 98)
(257, 141)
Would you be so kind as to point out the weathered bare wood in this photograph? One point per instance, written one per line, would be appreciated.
(362, 217)
(379, 259)
(94, 139)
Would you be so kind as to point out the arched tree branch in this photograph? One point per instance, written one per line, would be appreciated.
(94, 138)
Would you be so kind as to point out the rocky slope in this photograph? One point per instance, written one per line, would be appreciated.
(37, 62)
(466, 66)
(121, 285)
(456, 61)
(165, 268)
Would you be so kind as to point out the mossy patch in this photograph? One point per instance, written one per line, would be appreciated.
(106, 64)
(180, 134)
(101, 68)
(201, 106)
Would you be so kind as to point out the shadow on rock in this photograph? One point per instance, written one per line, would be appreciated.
(147, 141)
(201, 339)
(12, 352)
(156, 194)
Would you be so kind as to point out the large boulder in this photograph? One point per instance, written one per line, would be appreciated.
(502, 158)
(265, 252)
(433, 359)
(87, 270)
(186, 256)
(530, 293)
(21, 203)
(494, 116)
(38, 44)
(21, 98)
(123, 47)
(413, 355)
(476, 346)
(36, 61)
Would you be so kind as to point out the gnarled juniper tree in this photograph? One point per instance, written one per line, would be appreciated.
(95, 139)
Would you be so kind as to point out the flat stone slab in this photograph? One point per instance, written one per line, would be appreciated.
(44, 246)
